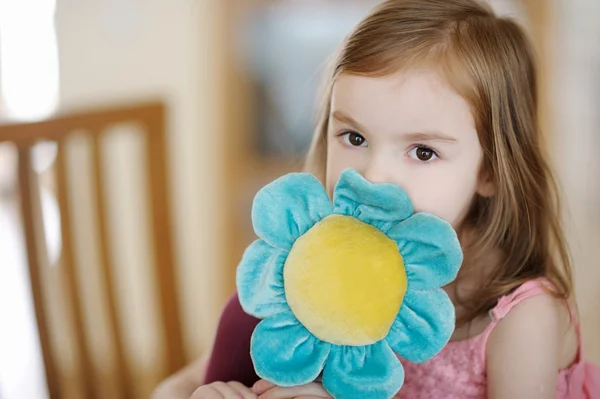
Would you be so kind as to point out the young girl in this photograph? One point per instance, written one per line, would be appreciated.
(440, 97)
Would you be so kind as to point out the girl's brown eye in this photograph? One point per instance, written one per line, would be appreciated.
(355, 139)
(424, 154)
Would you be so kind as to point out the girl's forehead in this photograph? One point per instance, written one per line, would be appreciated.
(411, 101)
(401, 83)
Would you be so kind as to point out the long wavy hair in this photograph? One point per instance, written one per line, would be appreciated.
(489, 61)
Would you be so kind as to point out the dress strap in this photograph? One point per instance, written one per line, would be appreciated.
(527, 290)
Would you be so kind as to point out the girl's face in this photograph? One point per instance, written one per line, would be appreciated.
(410, 129)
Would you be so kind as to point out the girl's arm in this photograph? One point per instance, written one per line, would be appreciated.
(524, 350)
(229, 359)
(182, 384)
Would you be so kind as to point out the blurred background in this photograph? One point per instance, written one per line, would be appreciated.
(133, 137)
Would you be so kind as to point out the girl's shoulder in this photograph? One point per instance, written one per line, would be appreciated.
(513, 342)
(531, 317)
(533, 334)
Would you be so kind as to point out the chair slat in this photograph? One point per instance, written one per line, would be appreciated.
(71, 276)
(162, 233)
(122, 372)
(30, 201)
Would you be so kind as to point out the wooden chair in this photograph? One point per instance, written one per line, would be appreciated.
(151, 117)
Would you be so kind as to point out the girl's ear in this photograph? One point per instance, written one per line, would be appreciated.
(485, 185)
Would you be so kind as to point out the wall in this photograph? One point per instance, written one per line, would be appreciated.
(576, 122)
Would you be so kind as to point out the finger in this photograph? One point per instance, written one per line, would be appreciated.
(262, 386)
(293, 392)
(227, 391)
(242, 390)
(206, 392)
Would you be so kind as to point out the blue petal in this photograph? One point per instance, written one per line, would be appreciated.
(381, 205)
(430, 249)
(286, 208)
(260, 280)
(423, 326)
(361, 372)
(286, 353)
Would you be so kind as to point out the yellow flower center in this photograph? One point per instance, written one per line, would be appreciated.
(345, 281)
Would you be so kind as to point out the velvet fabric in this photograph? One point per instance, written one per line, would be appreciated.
(283, 350)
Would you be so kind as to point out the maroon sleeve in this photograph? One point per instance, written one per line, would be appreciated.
(230, 359)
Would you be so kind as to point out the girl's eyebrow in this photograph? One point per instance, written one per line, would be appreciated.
(432, 135)
(342, 117)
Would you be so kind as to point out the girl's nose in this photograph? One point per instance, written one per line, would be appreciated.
(377, 172)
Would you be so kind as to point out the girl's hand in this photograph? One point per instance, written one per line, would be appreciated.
(266, 390)
(222, 390)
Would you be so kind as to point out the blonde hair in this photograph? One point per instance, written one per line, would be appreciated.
(489, 62)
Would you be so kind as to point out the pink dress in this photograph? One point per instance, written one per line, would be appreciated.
(459, 371)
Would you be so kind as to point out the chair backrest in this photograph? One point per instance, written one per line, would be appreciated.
(65, 279)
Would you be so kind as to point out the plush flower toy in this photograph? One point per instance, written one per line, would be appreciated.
(344, 288)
